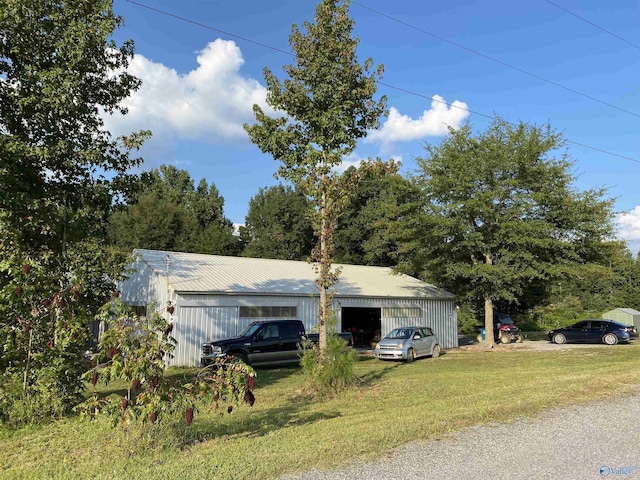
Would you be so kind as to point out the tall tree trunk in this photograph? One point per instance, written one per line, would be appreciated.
(488, 323)
(324, 274)
(489, 339)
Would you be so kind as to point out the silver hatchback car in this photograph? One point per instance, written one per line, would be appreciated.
(408, 343)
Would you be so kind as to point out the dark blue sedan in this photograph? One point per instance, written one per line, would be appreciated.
(594, 331)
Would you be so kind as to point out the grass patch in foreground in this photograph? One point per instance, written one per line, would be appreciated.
(285, 432)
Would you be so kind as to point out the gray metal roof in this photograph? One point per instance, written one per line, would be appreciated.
(199, 274)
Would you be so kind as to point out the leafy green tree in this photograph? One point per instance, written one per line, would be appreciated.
(377, 194)
(166, 212)
(327, 102)
(59, 172)
(134, 350)
(599, 286)
(627, 291)
(153, 222)
(278, 225)
(502, 214)
(57, 64)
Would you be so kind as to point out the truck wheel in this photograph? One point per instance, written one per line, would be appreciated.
(238, 358)
(411, 355)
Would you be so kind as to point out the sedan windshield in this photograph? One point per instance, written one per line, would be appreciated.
(400, 333)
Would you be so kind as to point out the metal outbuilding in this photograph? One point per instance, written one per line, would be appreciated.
(217, 296)
(628, 316)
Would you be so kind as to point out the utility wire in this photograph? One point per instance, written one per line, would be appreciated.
(593, 24)
(493, 117)
(400, 89)
(493, 59)
(208, 27)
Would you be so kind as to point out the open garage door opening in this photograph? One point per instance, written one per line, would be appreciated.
(364, 323)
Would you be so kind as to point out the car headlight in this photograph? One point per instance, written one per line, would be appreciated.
(400, 347)
(215, 349)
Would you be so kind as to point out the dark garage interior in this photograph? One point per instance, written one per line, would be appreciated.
(364, 323)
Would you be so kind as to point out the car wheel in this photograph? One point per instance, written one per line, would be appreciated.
(610, 339)
(411, 355)
(505, 338)
(436, 352)
(559, 338)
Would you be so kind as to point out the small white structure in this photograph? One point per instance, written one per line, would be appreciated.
(628, 316)
(215, 297)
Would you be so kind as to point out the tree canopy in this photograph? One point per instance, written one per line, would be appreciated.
(167, 212)
(376, 195)
(278, 225)
(325, 105)
(60, 170)
(502, 215)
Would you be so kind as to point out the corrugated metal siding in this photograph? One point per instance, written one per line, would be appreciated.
(307, 306)
(135, 290)
(196, 325)
(623, 315)
(201, 318)
(144, 287)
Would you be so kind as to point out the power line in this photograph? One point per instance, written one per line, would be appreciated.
(593, 24)
(493, 117)
(208, 27)
(410, 92)
(493, 59)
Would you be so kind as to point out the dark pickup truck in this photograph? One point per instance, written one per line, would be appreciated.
(269, 342)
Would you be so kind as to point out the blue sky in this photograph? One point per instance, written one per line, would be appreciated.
(199, 84)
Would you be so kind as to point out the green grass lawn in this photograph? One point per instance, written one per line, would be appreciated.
(287, 431)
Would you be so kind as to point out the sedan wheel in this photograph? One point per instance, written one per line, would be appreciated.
(559, 338)
(436, 352)
(610, 339)
(411, 355)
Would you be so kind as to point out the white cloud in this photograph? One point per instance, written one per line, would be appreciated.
(209, 103)
(432, 122)
(629, 225)
(351, 160)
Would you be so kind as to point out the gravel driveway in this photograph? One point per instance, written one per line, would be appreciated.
(595, 440)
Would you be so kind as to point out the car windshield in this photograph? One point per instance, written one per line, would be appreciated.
(400, 333)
